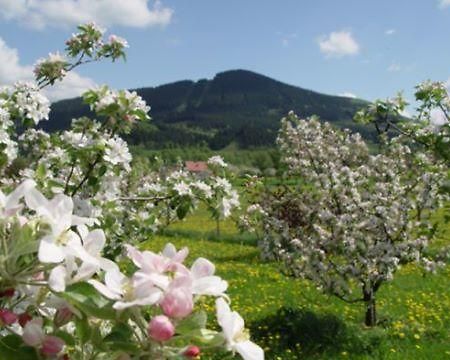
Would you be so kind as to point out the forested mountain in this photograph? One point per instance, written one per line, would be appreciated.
(236, 107)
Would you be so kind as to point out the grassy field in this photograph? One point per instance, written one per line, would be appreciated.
(290, 319)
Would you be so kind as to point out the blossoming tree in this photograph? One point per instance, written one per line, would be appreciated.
(348, 219)
(60, 297)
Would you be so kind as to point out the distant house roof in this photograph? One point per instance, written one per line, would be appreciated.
(196, 166)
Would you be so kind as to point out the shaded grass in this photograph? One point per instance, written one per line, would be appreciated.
(291, 319)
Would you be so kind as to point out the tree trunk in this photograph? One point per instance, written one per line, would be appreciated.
(371, 310)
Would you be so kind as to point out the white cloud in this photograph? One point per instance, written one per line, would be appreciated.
(338, 44)
(444, 3)
(389, 32)
(12, 70)
(394, 67)
(348, 94)
(65, 13)
(72, 85)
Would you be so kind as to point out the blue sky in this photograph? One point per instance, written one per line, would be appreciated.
(368, 48)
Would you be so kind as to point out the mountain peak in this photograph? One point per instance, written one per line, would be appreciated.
(235, 107)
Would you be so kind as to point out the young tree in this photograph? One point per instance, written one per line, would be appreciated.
(347, 219)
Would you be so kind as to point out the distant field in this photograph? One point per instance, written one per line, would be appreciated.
(290, 319)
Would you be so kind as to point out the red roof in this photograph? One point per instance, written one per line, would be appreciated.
(196, 166)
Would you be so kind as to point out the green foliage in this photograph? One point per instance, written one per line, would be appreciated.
(237, 106)
(89, 301)
(291, 319)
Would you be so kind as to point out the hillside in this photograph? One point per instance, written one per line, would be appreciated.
(236, 107)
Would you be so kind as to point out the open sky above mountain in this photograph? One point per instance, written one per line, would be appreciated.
(365, 48)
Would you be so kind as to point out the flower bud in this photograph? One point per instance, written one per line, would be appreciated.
(63, 316)
(52, 346)
(7, 317)
(177, 303)
(192, 351)
(7, 292)
(33, 335)
(161, 328)
(24, 318)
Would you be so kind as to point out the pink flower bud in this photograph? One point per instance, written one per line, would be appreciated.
(192, 351)
(63, 316)
(52, 346)
(177, 303)
(7, 317)
(7, 292)
(24, 318)
(161, 328)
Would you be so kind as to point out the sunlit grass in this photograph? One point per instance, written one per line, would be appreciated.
(291, 319)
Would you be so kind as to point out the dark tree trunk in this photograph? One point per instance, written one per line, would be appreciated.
(371, 310)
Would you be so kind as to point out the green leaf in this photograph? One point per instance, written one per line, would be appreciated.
(68, 339)
(11, 347)
(120, 332)
(183, 207)
(83, 329)
(88, 300)
(194, 322)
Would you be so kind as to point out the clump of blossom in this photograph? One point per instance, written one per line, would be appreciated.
(217, 160)
(53, 268)
(117, 152)
(27, 102)
(68, 207)
(352, 218)
(53, 68)
(122, 107)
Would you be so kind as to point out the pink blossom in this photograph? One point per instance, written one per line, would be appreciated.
(63, 316)
(52, 345)
(34, 335)
(161, 328)
(7, 317)
(178, 302)
(192, 351)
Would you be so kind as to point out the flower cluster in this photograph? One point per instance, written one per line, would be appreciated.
(428, 127)
(348, 218)
(85, 46)
(25, 101)
(122, 107)
(52, 270)
(53, 67)
(61, 296)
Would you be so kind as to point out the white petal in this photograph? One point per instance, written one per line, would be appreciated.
(57, 279)
(181, 255)
(209, 285)
(169, 250)
(102, 289)
(13, 198)
(35, 200)
(232, 324)
(108, 265)
(115, 281)
(85, 272)
(78, 221)
(222, 309)
(202, 267)
(249, 350)
(49, 252)
(94, 242)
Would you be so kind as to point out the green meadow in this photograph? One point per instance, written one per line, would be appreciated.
(291, 319)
